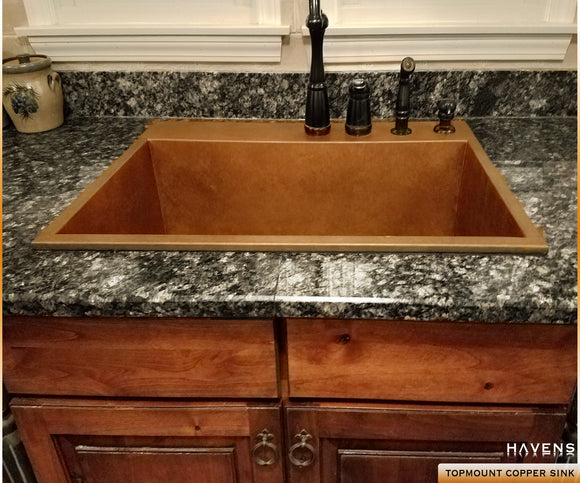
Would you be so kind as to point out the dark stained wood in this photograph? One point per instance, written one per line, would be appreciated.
(432, 361)
(375, 443)
(123, 465)
(432, 423)
(114, 440)
(84, 455)
(140, 357)
(146, 444)
(394, 466)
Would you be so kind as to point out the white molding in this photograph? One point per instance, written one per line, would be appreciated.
(151, 30)
(157, 43)
(460, 47)
(370, 31)
(544, 34)
(245, 31)
(462, 29)
(371, 44)
(160, 48)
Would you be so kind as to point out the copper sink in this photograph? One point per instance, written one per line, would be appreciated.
(266, 185)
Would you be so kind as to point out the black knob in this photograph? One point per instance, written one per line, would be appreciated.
(358, 115)
(446, 109)
(359, 89)
(446, 112)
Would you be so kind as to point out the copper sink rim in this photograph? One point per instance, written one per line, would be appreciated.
(418, 244)
(533, 241)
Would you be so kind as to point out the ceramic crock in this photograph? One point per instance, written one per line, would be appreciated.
(32, 93)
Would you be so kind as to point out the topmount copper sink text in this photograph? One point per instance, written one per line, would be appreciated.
(266, 185)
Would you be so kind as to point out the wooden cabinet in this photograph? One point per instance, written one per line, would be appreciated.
(140, 357)
(431, 361)
(339, 442)
(94, 441)
(303, 401)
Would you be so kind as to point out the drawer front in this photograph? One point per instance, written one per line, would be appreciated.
(140, 357)
(431, 361)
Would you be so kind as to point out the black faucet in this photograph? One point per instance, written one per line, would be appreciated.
(317, 112)
(403, 107)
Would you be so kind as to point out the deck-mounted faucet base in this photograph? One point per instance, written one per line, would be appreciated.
(317, 111)
(317, 114)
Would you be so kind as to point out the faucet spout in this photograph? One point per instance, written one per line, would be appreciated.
(317, 111)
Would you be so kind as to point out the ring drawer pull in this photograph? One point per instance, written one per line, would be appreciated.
(265, 446)
(308, 453)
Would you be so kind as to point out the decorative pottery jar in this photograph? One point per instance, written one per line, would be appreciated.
(32, 93)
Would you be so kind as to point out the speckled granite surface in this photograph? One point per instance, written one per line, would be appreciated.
(44, 172)
(282, 95)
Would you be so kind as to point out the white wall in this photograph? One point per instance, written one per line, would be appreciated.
(13, 14)
(294, 50)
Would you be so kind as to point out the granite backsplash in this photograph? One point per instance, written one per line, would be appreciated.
(516, 93)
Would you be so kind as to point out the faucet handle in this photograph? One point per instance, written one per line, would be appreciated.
(445, 112)
(446, 109)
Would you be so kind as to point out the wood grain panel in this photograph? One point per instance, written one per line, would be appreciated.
(121, 465)
(105, 441)
(412, 422)
(140, 357)
(374, 442)
(432, 361)
(410, 467)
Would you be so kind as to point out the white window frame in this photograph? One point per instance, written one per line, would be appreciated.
(387, 39)
(256, 40)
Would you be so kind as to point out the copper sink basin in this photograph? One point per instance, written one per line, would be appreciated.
(266, 185)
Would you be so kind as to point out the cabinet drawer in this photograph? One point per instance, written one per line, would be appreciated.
(431, 361)
(140, 357)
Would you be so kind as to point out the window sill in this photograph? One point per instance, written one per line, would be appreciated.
(345, 44)
(142, 43)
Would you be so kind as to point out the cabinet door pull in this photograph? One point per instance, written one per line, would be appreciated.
(265, 446)
(302, 454)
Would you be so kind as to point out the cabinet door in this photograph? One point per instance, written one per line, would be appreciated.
(142, 442)
(397, 443)
(408, 466)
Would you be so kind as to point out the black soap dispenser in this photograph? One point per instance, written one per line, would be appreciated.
(358, 115)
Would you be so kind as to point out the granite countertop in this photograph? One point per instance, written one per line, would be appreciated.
(44, 172)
